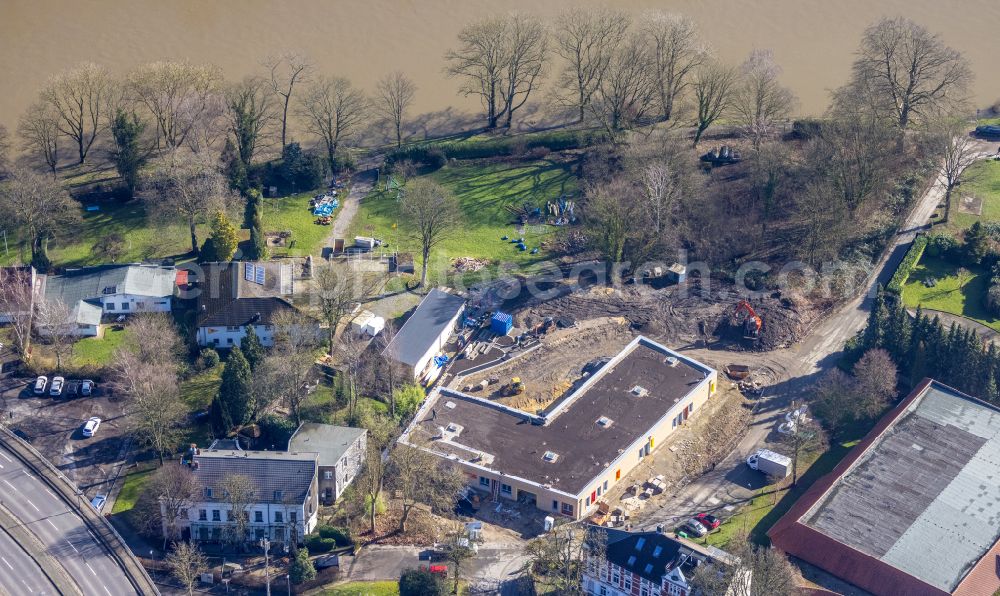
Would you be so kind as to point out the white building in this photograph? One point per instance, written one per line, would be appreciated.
(426, 332)
(285, 501)
(341, 454)
(233, 296)
(93, 292)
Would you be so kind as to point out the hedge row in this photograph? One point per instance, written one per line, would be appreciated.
(906, 266)
(433, 154)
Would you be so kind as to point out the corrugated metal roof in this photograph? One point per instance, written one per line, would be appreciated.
(425, 325)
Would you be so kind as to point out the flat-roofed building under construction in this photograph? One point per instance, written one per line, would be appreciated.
(565, 458)
(912, 509)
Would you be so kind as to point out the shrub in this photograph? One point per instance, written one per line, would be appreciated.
(207, 358)
(420, 582)
(942, 245)
(906, 266)
(343, 162)
(993, 298)
(807, 128)
(318, 544)
(302, 569)
(275, 431)
(338, 535)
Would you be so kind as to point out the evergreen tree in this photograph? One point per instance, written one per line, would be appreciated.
(302, 569)
(988, 374)
(977, 244)
(251, 347)
(234, 168)
(878, 320)
(898, 335)
(127, 155)
(257, 250)
(224, 237)
(235, 395)
(254, 209)
(222, 422)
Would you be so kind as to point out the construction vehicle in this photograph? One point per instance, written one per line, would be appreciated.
(751, 320)
(549, 324)
(515, 387)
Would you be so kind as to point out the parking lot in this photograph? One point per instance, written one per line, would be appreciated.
(53, 426)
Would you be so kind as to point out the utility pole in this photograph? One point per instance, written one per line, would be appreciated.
(266, 544)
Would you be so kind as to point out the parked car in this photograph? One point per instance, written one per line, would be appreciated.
(90, 427)
(40, 383)
(99, 501)
(56, 389)
(71, 389)
(693, 526)
(709, 521)
(87, 388)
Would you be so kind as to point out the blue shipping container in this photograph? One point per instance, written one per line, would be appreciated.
(501, 323)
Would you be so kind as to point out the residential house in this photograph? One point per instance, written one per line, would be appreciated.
(233, 296)
(285, 500)
(567, 458)
(341, 454)
(91, 293)
(426, 332)
(645, 564)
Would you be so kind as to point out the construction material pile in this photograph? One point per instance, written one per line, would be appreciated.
(468, 264)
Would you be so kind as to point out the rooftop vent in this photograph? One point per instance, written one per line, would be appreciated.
(450, 405)
(454, 429)
(672, 361)
(640, 391)
(550, 456)
(917, 447)
(604, 422)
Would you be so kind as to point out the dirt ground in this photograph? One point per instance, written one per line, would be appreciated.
(53, 427)
(553, 368)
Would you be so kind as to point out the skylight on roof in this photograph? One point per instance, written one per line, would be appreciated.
(640, 391)
(550, 456)
(649, 567)
(450, 405)
(657, 551)
(631, 560)
(641, 542)
(604, 422)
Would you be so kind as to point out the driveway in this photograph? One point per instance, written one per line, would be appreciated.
(494, 563)
(361, 185)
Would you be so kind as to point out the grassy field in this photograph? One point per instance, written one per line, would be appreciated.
(957, 291)
(381, 588)
(197, 393)
(293, 214)
(483, 192)
(98, 351)
(983, 182)
(130, 491)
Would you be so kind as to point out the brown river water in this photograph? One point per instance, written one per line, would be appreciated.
(813, 40)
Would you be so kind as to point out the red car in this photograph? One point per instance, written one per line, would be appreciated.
(441, 570)
(709, 521)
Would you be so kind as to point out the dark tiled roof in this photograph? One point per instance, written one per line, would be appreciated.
(91, 283)
(227, 299)
(650, 554)
(424, 326)
(272, 472)
(332, 442)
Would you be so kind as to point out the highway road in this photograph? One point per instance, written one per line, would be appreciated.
(63, 533)
(19, 573)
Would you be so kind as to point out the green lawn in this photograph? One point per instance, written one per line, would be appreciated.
(197, 393)
(983, 181)
(98, 351)
(483, 191)
(131, 490)
(292, 213)
(961, 295)
(382, 588)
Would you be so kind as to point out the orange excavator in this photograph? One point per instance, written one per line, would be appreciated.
(751, 320)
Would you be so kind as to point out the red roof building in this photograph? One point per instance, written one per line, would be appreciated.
(914, 508)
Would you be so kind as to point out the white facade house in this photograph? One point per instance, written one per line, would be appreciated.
(91, 293)
(21, 288)
(284, 506)
(234, 296)
(425, 333)
(341, 454)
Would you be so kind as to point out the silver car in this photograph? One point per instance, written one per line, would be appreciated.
(55, 390)
(40, 383)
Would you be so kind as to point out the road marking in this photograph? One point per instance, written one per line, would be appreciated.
(9, 566)
(91, 569)
(27, 586)
(50, 494)
(107, 590)
(33, 505)
(4, 455)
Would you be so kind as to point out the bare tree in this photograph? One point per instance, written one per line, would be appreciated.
(875, 377)
(500, 58)
(421, 477)
(77, 96)
(179, 95)
(677, 50)
(560, 557)
(248, 114)
(287, 70)
(759, 100)
(238, 494)
(394, 95)
(56, 322)
(339, 289)
(372, 478)
(627, 92)
(433, 213)
(751, 571)
(909, 72)
(586, 39)
(186, 564)
(190, 187)
(802, 438)
(39, 129)
(333, 111)
(662, 191)
(4, 149)
(959, 151)
(40, 207)
(851, 152)
(175, 489)
(17, 302)
(288, 366)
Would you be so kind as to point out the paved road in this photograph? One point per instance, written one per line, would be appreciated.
(63, 533)
(793, 369)
(19, 573)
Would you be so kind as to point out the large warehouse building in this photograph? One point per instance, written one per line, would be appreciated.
(915, 507)
(564, 459)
